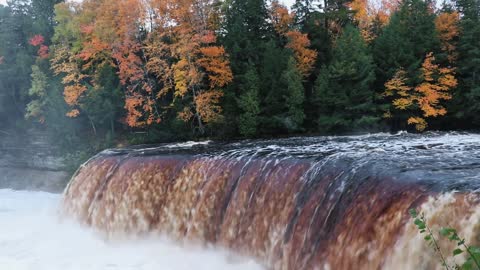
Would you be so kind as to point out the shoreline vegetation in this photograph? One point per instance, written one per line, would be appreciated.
(109, 73)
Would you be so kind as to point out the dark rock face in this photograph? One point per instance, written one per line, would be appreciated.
(28, 162)
(300, 203)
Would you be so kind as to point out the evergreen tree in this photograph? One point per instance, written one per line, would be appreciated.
(17, 57)
(343, 91)
(44, 17)
(275, 61)
(303, 9)
(103, 104)
(246, 32)
(405, 41)
(467, 96)
(337, 14)
(321, 21)
(249, 104)
(294, 97)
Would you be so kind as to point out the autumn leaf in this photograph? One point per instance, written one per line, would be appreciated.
(297, 42)
(281, 17)
(436, 82)
(36, 40)
(305, 57)
(448, 29)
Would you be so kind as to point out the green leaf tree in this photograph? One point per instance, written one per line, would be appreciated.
(294, 97)
(467, 97)
(343, 91)
(249, 104)
(246, 32)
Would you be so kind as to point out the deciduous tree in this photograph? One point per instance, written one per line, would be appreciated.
(296, 41)
(447, 24)
(199, 66)
(426, 96)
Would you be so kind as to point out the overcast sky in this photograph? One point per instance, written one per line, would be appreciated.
(286, 2)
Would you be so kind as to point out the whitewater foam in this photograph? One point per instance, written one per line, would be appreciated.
(33, 237)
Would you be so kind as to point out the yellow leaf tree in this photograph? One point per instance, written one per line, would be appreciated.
(184, 56)
(424, 99)
(448, 30)
(368, 12)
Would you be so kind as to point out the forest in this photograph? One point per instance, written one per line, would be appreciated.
(103, 73)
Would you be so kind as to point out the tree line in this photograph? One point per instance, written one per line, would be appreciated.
(101, 71)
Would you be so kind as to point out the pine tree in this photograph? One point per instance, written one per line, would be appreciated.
(343, 91)
(246, 32)
(44, 19)
(275, 62)
(294, 97)
(405, 41)
(467, 97)
(249, 104)
(17, 58)
(303, 9)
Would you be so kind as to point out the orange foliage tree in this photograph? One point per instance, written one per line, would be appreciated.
(298, 42)
(367, 13)
(38, 41)
(65, 61)
(97, 33)
(111, 33)
(448, 30)
(165, 53)
(425, 96)
(184, 56)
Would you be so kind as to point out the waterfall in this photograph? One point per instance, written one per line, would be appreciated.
(299, 203)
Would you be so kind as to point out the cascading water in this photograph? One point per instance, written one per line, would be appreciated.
(301, 203)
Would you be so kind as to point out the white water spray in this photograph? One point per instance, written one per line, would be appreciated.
(32, 237)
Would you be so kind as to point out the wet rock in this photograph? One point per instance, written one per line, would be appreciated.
(29, 162)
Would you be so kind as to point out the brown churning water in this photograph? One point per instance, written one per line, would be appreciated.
(301, 203)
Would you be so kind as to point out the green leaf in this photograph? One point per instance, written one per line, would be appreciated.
(446, 231)
(420, 224)
(468, 265)
(413, 213)
(457, 252)
(474, 250)
(428, 238)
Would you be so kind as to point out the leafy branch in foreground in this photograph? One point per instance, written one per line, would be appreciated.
(472, 253)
